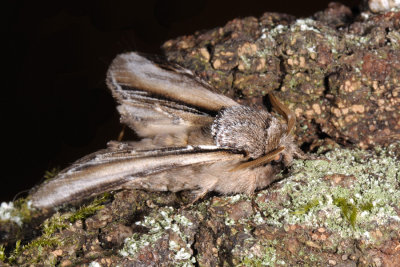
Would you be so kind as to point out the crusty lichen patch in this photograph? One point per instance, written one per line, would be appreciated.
(56, 234)
(162, 225)
(321, 212)
(259, 254)
(350, 193)
(17, 212)
(339, 72)
(314, 215)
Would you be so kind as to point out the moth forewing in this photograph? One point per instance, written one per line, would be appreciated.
(156, 101)
(193, 139)
(113, 170)
(132, 70)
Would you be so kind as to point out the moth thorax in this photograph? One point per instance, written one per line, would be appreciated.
(242, 128)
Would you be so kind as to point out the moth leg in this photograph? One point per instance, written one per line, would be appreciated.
(253, 195)
(198, 196)
(254, 204)
(200, 193)
(297, 153)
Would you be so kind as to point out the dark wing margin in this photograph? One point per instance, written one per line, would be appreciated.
(154, 99)
(108, 170)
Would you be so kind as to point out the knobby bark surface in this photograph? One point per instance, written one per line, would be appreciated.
(340, 74)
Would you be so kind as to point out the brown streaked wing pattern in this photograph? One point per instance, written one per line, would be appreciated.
(113, 169)
(154, 99)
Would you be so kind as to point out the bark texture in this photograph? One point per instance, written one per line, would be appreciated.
(340, 73)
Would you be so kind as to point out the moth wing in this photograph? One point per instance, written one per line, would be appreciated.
(156, 99)
(113, 169)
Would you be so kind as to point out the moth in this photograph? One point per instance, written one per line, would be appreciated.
(192, 139)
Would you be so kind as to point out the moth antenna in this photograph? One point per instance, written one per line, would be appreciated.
(260, 161)
(284, 111)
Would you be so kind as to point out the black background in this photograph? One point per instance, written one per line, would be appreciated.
(55, 107)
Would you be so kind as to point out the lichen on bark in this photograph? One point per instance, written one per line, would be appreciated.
(340, 74)
(341, 78)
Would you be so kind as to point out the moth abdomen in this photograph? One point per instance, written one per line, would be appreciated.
(193, 139)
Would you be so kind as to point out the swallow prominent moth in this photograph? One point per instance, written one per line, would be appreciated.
(192, 139)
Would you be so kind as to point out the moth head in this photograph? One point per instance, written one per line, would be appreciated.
(280, 147)
(287, 148)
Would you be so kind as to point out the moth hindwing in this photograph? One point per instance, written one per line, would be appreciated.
(192, 139)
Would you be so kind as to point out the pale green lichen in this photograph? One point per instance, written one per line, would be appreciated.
(158, 226)
(7, 213)
(278, 30)
(235, 198)
(350, 211)
(17, 212)
(225, 200)
(94, 264)
(260, 254)
(229, 221)
(50, 228)
(305, 25)
(246, 61)
(21, 210)
(258, 218)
